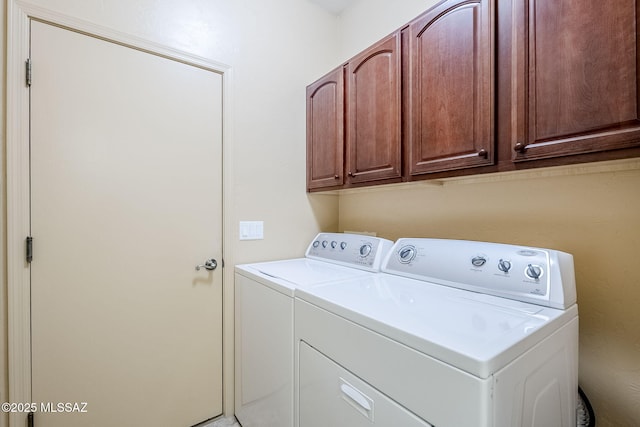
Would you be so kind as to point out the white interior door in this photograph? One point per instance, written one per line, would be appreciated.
(126, 196)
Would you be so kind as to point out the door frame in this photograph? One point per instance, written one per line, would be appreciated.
(19, 15)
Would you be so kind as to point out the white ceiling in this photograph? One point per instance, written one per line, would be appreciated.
(334, 6)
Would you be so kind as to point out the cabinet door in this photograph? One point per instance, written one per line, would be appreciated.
(575, 77)
(373, 113)
(451, 87)
(325, 131)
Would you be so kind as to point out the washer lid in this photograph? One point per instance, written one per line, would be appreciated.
(287, 275)
(475, 332)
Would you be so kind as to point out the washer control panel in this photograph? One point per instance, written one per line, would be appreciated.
(542, 276)
(353, 250)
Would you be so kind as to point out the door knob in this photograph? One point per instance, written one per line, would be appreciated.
(209, 264)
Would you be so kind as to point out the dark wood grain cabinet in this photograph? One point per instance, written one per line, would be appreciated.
(354, 120)
(325, 131)
(373, 88)
(450, 79)
(479, 86)
(575, 77)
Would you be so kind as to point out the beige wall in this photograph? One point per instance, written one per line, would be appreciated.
(370, 20)
(592, 212)
(275, 49)
(3, 226)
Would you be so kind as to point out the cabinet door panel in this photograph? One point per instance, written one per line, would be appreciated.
(451, 87)
(373, 112)
(576, 77)
(325, 131)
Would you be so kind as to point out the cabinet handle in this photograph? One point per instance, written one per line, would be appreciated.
(520, 147)
(337, 176)
(350, 173)
(483, 153)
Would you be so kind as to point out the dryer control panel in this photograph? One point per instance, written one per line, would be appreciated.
(352, 250)
(540, 276)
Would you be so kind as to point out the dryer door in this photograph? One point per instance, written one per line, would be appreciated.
(332, 396)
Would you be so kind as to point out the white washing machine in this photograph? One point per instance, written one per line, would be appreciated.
(451, 334)
(264, 316)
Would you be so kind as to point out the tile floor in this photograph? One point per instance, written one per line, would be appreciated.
(222, 422)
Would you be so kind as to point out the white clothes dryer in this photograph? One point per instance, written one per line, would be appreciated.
(451, 334)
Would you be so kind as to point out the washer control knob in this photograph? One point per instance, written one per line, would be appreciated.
(407, 254)
(365, 250)
(504, 265)
(324, 243)
(343, 245)
(533, 271)
(334, 244)
(478, 261)
(316, 243)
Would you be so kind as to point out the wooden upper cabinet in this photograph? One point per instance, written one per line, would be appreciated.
(450, 81)
(325, 131)
(575, 77)
(423, 100)
(373, 88)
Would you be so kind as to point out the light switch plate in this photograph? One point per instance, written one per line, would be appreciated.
(251, 230)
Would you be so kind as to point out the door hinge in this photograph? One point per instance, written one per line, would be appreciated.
(30, 422)
(28, 71)
(29, 249)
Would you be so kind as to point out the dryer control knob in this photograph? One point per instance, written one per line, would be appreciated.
(504, 265)
(365, 250)
(334, 244)
(343, 245)
(407, 253)
(478, 261)
(533, 271)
